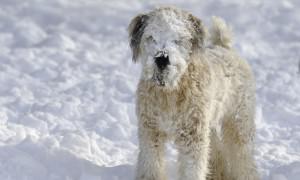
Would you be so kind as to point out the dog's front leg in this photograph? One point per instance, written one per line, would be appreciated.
(151, 164)
(193, 146)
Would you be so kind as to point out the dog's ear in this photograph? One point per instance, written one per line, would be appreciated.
(136, 29)
(198, 31)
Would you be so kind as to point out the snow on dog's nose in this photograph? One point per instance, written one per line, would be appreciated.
(162, 60)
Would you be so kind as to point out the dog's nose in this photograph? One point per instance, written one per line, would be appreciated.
(162, 60)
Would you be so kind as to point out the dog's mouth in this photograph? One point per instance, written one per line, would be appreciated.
(158, 78)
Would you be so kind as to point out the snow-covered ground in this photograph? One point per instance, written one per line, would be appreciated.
(68, 83)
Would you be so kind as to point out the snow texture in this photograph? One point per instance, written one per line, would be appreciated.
(68, 83)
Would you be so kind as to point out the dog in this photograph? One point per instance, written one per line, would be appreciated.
(196, 91)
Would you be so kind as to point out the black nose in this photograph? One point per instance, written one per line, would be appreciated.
(162, 61)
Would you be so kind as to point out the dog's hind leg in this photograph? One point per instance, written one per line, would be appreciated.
(238, 137)
(217, 162)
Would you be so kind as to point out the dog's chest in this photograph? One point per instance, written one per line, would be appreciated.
(167, 124)
(167, 116)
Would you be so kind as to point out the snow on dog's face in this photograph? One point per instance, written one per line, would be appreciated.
(163, 41)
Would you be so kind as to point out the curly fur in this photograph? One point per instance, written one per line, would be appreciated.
(208, 113)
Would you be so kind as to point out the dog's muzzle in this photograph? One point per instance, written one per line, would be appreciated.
(162, 60)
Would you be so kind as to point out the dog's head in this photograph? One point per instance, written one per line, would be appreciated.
(163, 41)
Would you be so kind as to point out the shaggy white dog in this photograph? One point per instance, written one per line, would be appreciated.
(201, 97)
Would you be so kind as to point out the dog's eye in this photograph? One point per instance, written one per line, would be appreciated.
(150, 39)
(178, 42)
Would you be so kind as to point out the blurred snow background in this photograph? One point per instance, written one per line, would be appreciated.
(68, 83)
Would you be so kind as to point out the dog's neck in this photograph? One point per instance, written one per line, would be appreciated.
(171, 97)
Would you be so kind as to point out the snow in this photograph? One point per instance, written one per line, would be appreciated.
(68, 83)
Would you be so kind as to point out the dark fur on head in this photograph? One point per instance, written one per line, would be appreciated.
(198, 31)
(136, 30)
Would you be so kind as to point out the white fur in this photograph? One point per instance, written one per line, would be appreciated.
(206, 107)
